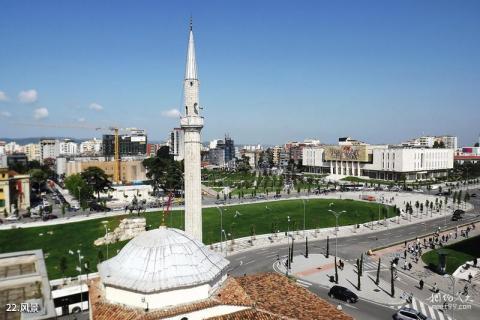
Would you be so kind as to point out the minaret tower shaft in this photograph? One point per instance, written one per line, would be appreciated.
(192, 123)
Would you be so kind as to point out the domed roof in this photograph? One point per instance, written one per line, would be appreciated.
(162, 259)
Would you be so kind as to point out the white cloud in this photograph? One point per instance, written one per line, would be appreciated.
(81, 119)
(95, 106)
(172, 113)
(3, 96)
(40, 113)
(5, 114)
(28, 96)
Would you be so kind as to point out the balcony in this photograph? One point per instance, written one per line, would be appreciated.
(191, 122)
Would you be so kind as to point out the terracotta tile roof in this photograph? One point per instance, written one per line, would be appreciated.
(250, 314)
(275, 294)
(271, 296)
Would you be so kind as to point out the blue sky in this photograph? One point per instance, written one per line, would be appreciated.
(270, 71)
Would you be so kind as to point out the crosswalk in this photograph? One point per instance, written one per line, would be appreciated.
(303, 283)
(428, 310)
(370, 264)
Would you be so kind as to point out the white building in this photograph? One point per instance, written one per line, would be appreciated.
(12, 147)
(32, 151)
(49, 148)
(177, 144)
(449, 142)
(68, 147)
(91, 147)
(162, 268)
(379, 161)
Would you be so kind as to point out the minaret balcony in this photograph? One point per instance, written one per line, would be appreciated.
(191, 122)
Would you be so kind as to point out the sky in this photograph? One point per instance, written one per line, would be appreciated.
(270, 71)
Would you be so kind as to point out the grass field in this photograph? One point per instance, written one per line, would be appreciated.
(57, 240)
(458, 254)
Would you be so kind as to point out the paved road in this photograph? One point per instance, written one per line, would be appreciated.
(262, 259)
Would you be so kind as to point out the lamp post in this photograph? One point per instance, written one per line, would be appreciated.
(303, 200)
(336, 214)
(79, 201)
(79, 269)
(288, 244)
(221, 227)
(106, 232)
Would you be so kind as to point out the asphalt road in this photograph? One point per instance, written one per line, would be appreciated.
(262, 259)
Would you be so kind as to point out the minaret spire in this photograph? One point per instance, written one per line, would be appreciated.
(192, 124)
(191, 67)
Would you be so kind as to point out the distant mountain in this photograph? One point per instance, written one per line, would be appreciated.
(23, 141)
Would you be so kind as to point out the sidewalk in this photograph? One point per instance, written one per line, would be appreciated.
(318, 269)
(421, 271)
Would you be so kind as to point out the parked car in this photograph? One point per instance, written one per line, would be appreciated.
(473, 195)
(456, 217)
(459, 212)
(409, 314)
(49, 217)
(35, 216)
(220, 202)
(12, 218)
(94, 206)
(342, 293)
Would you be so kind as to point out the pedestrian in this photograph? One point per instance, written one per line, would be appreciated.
(435, 288)
(410, 266)
(470, 277)
(405, 265)
(405, 254)
(405, 243)
(421, 284)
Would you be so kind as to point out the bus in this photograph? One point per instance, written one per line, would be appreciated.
(68, 300)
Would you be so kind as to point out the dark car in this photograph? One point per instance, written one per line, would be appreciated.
(473, 195)
(98, 207)
(342, 293)
(49, 217)
(458, 212)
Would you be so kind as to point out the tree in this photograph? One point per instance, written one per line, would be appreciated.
(243, 164)
(38, 178)
(163, 171)
(78, 188)
(63, 265)
(97, 180)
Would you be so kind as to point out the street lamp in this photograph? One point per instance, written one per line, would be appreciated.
(336, 214)
(79, 269)
(106, 233)
(288, 245)
(303, 200)
(79, 201)
(221, 227)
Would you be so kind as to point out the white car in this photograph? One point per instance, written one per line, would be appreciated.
(35, 216)
(36, 210)
(12, 218)
(418, 190)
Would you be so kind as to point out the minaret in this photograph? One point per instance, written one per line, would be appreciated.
(192, 124)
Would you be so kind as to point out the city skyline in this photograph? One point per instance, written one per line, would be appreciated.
(383, 75)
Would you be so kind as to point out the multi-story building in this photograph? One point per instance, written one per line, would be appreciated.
(68, 147)
(91, 147)
(33, 151)
(152, 149)
(229, 149)
(276, 155)
(177, 144)
(14, 191)
(449, 142)
(49, 148)
(12, 147)
(134, 143)
(2, 147)
(131, 170)
(379, 161)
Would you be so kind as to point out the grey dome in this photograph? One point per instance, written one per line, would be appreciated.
(162, 259)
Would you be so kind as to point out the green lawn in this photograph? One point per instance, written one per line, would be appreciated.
(57, 240)
(458, 254)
